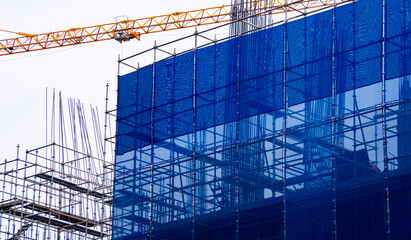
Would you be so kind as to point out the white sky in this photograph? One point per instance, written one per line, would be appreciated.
(79, 72)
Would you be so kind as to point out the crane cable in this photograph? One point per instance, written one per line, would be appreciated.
(18, 33)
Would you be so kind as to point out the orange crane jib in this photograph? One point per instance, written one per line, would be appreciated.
(129, 29)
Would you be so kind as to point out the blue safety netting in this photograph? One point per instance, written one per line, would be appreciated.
(244, 138)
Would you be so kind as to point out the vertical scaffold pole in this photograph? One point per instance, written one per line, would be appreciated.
(237, 137)
(2, 193)
(152, 143)
(106, 115)
(384, 123)
(193, 201)
(333, 123)
(285, 103)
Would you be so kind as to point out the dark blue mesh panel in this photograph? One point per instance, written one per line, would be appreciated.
(398, 38)
(261, 53)
(174, 79)
(359, 35)
(368, 65)
(173, 119)
(216, 76)
(261, 61)
(134, 114)
(165, 76)
(318, 84)
(310, 53)
(296, 84)
(216, 66)
(174, 105)
(216, 107)
(398, 55)
(261, 95)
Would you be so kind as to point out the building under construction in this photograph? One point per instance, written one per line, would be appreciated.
(291, 128)
(292, 125)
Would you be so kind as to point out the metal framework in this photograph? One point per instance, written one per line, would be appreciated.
(322, 148)
(129, 29)
(223, 178)
(59, 191)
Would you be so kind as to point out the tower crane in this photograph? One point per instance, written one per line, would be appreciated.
(134, 29)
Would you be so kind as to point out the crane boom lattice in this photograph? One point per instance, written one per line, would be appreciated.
(129, 29)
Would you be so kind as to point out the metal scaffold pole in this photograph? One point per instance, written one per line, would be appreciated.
(58, 191)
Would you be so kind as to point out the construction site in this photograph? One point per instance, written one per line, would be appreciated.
(270, 120)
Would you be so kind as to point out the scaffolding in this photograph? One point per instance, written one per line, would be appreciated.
(204, 153)
(297, 131)
(200, 157)
(62, 190)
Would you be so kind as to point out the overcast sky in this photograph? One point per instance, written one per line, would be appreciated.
(78, 72)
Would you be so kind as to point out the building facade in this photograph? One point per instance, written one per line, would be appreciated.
(297, 131)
